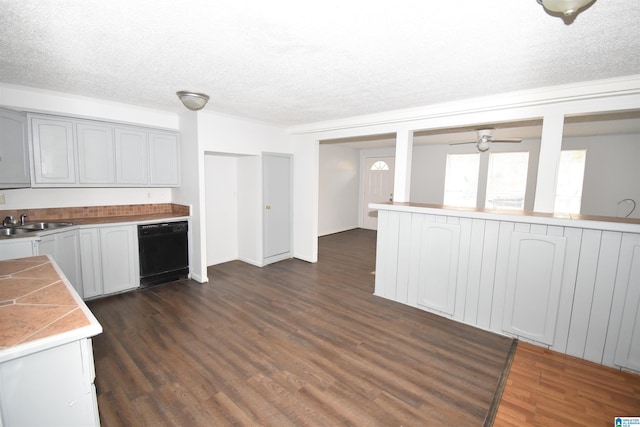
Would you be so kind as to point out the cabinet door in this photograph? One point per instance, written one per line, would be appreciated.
(16, 248)
(119, 248)
(57, 384)
(64, 247)
(534, 282)
(53, 152)
(438, 272)
(47, 245)
(91, 262)
(96, 154)
(131, 156)
(14, 151)
(164, 159)
(68, 258)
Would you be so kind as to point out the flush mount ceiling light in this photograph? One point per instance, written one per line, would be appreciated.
(566, 7)
(193, 100)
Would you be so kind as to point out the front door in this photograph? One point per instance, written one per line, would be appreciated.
(276, 178)
(378, 187)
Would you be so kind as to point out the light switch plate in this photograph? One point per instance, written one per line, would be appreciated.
(2, 202)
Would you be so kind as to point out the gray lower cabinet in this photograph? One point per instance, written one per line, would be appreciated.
(91, 262)
(64, 247)
(109, 260)
(18, 248)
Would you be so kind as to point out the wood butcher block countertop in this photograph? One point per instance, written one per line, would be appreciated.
(39, 309)
(144, 218)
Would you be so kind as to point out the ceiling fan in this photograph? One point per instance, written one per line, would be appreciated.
(485, 137)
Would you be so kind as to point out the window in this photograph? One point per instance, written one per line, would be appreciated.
(461, 180)
(380, 166)
(569, 185)
(507, 180)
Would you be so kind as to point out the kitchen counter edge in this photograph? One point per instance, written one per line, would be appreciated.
(30, 347)
(577, 221)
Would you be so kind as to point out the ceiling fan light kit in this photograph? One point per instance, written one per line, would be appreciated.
(483, 145)
(566, 7)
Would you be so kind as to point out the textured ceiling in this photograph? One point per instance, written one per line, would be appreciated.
(294, 62)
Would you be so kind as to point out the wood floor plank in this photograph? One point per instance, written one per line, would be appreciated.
(548, 388)
(292, 343)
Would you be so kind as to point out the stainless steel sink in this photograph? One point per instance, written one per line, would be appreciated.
(16, 230)
(35, 226)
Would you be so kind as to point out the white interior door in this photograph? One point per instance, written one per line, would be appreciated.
(276, 173)
(378, 187)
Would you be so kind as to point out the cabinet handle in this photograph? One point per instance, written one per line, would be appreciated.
(268, 207)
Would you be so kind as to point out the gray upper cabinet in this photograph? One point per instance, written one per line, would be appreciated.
(96, 154)
(132, 155)
(164, 159)
(53, 152)
(14, 150)
(82, 153)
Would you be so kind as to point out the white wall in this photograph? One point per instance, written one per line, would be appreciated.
(221, 208)
(249, 229)
(339, 171)
(612, 173)
(191, 192)
(305, 197)
(220, 133)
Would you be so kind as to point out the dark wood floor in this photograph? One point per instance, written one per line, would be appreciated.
(292, 343)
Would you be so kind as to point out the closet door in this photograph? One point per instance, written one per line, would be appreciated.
(277, 188)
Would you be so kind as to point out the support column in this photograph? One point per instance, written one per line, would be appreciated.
(402, 177)
(550, 148)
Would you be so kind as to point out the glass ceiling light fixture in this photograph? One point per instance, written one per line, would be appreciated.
(566, 7)
(192, 100)
(483, 144)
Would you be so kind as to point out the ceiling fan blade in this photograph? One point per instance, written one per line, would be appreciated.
(506, 140)
(462, 143)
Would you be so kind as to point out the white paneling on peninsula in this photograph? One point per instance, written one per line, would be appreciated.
(572, 285)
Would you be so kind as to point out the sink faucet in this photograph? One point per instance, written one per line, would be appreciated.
(22, 217)
(8, 220)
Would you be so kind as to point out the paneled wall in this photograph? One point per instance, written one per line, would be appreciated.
(571, 288)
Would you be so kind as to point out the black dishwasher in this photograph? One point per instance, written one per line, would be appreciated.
(164, 252)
